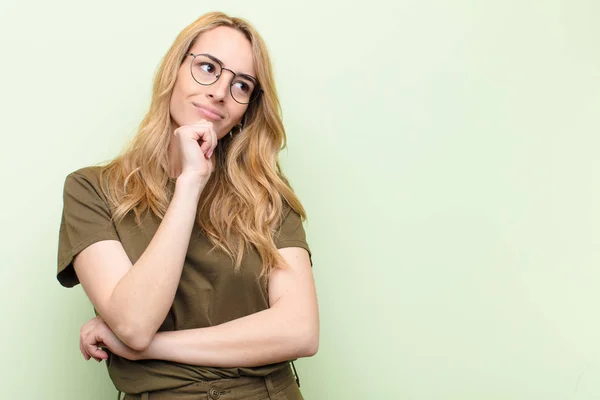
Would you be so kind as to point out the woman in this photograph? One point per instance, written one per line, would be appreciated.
(190, 244)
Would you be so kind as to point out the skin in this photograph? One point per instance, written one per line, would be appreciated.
(233, 49)
(128, 323)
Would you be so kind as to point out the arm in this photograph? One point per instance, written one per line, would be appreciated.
(134, 299)
(288, 329)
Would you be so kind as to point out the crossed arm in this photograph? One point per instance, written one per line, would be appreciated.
(133, 300)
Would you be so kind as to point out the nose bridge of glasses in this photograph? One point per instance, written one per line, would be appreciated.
(233, 74)
(221, 83)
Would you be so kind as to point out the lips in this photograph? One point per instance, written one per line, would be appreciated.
(209, 112)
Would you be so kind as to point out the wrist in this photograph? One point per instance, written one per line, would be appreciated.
(150, 353)
(143, 355)
(191, 183)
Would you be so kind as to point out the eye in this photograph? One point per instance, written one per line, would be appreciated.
(207, 67)
(243, 86)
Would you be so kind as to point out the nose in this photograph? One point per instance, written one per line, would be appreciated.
(220, 88)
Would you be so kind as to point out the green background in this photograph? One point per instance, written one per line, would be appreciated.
(446, 153)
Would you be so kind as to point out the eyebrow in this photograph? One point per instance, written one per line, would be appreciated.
(215, 59)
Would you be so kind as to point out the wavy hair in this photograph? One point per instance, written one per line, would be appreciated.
(247, 195)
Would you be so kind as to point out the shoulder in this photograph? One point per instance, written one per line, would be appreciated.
(86, 176)
(85, 184)
(286, 212)
(289, 219)
(292, 210)
(90, 174)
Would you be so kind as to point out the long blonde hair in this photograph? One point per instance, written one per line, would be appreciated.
(246, 197)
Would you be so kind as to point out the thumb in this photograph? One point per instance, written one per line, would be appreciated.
(96, 352)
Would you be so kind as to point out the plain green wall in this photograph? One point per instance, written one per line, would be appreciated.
(446, 153)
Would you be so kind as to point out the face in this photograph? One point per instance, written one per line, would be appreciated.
(192, 102)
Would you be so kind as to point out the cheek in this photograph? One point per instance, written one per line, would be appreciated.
(235, 112)
(177, 104)
(175, 107)
(180, 109)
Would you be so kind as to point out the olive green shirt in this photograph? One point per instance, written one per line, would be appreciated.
(209, 293)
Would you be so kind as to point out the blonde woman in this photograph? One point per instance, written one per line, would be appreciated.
(190, 244)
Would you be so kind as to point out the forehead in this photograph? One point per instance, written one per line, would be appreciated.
(228, 45)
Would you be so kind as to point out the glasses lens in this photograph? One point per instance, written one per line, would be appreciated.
(204, 70)
(242, 89)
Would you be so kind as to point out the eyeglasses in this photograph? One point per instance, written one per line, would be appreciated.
(207, 69)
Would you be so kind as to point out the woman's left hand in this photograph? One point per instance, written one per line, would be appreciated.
(95, 334)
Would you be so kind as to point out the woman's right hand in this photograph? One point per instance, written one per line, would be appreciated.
(196, 145)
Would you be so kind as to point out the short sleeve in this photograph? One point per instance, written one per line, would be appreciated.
(86, 219)
(291, 232)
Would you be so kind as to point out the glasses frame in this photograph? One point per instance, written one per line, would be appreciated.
(253, 96)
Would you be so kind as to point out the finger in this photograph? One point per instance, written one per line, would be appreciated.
(204, 146)
(92, 350)
(215, 142)
(197, 132)
(82, 341)
(98, 349)
(86, 356)
(96, 354)
(100, 354)
(210, 136)
(206, 139)
(200, 132)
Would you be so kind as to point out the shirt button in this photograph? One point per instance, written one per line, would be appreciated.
(214, 393)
